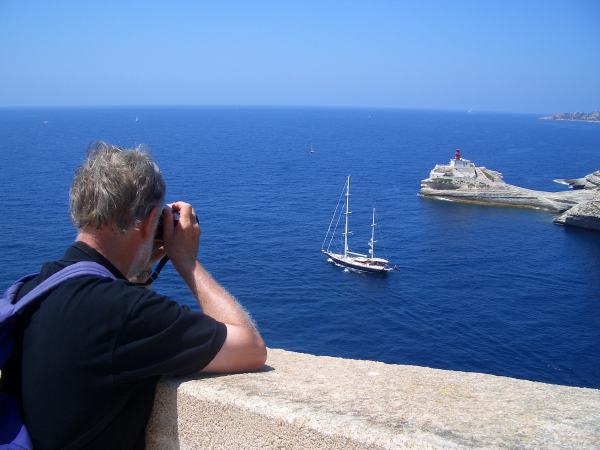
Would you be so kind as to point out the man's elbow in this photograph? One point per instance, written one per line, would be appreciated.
(243, 351)
(256, 351)
(260, 355)
(255, 355)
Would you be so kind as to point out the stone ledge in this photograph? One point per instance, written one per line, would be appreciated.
(306, 401)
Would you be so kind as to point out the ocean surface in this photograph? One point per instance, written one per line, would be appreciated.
(486, 289)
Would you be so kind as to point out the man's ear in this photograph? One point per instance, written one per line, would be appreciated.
(148, 225)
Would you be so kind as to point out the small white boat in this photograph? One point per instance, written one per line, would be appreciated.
(358, 261)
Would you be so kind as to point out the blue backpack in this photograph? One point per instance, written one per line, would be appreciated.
(13, 434)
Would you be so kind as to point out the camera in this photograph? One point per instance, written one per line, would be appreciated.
(159, 229)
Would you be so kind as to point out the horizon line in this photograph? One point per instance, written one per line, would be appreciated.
(299, 106)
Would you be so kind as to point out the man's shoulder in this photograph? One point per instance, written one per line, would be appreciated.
(102, 292)
(93, 300)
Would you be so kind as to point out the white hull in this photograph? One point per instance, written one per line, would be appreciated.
(360, 263)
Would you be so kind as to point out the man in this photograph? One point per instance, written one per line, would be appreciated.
(89, 354)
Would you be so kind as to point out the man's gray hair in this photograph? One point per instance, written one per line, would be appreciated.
(115, 187)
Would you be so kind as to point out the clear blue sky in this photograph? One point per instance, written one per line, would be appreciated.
(518, 56)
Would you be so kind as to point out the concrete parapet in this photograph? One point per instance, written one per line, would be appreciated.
(306, 401)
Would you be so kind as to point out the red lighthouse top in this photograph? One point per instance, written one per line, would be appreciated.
(457, 154)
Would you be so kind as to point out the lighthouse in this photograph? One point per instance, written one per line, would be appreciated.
(457, 173)
(458, 162)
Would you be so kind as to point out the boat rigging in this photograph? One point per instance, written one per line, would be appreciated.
(358, 261)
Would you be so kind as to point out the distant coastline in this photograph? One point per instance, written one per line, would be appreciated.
(576, 116)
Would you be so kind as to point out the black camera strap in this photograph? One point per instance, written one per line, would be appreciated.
(162, 263)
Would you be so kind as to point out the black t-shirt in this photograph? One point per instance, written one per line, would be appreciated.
(88, 356)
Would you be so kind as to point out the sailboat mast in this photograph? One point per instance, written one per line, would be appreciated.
(373, 236)
(347, 213)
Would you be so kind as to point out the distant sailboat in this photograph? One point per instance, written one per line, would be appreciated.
(367, 263)
(312, 150)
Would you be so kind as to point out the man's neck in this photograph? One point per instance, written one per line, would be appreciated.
(117, 247)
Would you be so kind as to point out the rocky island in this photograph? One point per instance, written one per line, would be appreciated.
(578, 116)
(462, 181)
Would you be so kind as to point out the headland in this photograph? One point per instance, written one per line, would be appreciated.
(594, 116)
(462, 181)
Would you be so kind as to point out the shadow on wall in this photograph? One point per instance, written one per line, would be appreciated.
(167, 418)
(164, 433)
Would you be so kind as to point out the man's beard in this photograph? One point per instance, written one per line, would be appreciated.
(141, 262)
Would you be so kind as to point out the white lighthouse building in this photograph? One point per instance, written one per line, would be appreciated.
(450, 176)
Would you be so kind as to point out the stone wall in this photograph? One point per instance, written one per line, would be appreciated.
(305, 401)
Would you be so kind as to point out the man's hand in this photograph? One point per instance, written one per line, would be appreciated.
(181, 241)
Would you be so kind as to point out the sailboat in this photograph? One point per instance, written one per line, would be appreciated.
(366, 263)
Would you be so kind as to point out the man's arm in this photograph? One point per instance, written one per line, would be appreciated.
(244, 348)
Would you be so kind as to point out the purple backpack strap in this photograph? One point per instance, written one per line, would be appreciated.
(72, 271)
(13, 434)
(7, 309)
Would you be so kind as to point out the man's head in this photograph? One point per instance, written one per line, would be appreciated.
(116, 188)
(115, 202)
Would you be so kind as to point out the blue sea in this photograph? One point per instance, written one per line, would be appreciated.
(485, 289)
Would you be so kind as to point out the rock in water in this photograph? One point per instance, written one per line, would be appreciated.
(591, 181)
(462, 181)
(584, 215)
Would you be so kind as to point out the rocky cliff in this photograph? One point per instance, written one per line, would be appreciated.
(579, 206)
(583, 215)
